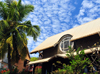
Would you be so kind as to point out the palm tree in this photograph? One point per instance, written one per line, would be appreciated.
(13, 31)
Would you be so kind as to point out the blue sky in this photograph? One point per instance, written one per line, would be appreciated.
(56, 16)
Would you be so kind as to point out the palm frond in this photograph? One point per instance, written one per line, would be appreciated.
(37, 29)
(3, 48)
(4, 26)
(19, 4)
(3, 10)
(23, 36)
(33, 31)
(5, 23)
(19, 40)
(2, 35)
(8, 2)
(10, 41)
(24, 10)
(23, 52)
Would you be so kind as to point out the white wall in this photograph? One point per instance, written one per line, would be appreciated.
(5, 58)
(0, 64)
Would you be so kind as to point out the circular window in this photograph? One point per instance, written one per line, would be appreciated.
(65, 43)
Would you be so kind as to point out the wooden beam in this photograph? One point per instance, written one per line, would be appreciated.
(41, 54)
(34, 69)
(99, 33)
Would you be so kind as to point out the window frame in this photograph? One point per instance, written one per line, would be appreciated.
(65, 39)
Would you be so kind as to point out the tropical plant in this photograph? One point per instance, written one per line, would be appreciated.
(33, 59)
(5, 72)
(14, 31)
(78, 62)
(24, 72)
(38, 70)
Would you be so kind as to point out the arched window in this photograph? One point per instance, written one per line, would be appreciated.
(65, 43)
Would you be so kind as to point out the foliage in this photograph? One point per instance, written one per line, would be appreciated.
(78, 62)
(33, 59)
(15, 71)
(6, 71)
(13, 30)
(23, 72)
(38, 70)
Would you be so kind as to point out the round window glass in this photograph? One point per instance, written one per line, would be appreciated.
(65, 43)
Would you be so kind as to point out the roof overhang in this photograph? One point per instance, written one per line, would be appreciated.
(86, 51)
(40, 61)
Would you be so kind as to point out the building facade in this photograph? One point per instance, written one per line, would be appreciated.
(54, 48)
(20, 65)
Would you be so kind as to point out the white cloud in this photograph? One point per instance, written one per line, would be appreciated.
(44, 0)
(95, 9)
(87, 4)
(47, 21)
(96, 1)
(22, 2)
(88, 12)
(34, 55)
(82, 12)
(30, 42)
(75, 25)
(49, 15)
(86, 19)
(53, 1)
(27, 2)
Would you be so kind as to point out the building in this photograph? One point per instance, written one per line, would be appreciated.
(4, 62)
(54, 48)
(20, 65)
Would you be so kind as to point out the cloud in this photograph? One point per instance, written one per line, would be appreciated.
(49, 15)
(2, 0)
(87, 4)
(34, 55)
(96, 1)
(26, 2)
(88, 12)
(53, 1)
(75, 25)
(44, 0)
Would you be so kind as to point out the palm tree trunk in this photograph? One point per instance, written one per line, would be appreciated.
(15, 48)
(9, 59)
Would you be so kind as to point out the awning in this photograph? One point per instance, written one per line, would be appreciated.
(78, 32)
(39, 61)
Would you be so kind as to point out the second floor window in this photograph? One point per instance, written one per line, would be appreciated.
(65, 43)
